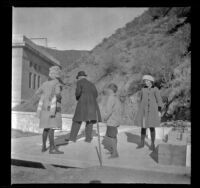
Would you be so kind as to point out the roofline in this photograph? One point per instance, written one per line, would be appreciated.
(22, 41)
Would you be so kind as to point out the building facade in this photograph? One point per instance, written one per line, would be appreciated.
(30, 68)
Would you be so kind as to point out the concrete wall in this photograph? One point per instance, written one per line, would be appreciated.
(17, 54)
(28, 122)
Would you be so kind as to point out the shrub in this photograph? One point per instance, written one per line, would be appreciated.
(110, 68)
(128, 44)
(134, 87)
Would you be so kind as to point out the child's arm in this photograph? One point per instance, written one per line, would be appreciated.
(39, 91)
(109, 108)
(158, 99)
(140, 96)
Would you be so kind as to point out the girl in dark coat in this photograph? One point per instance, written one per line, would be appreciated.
(149, 110)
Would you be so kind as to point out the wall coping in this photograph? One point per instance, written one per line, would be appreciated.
(23, 41)
(33, 113)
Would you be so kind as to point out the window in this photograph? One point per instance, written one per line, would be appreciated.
(30, 76)
(38, 81)
(34, 81)
(35, 66)
(30, 64)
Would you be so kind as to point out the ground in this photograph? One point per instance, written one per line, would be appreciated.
(103, 174)
(115, 173)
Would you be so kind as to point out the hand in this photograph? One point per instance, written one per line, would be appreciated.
(132, 99)
(159, 114)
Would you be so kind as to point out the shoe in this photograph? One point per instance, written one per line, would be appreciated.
(69, 141)
(141, 145)
(114, 156)
(44, 149)
(55, 151)
(88, 141)
(152, 147)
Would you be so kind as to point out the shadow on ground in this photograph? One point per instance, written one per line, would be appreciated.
(60, 139)
(106, 144)
(154, 155)
(133, 138)
(16, 133)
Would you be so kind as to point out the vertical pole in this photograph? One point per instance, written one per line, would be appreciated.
(100, 156)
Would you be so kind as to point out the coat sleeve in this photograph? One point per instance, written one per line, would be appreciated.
(109, 108)
(39, 91)
(140, 96)
(58, 92)
(95, 92)
(158, 98)
(78, 91)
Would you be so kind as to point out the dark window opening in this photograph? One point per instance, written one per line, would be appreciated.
(38, 81)
(34, 81)
(30, 64)
(30, 76)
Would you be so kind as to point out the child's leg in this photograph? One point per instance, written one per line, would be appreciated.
(113, 138)
(153, 135)
(107, 140)
(44, 139)
(143, 134)
(88, 131)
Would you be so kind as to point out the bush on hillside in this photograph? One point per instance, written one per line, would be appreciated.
(135, 86)
(179, 93)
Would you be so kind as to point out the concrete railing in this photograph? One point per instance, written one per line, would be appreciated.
(28, 122)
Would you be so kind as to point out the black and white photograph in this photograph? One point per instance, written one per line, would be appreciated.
(101, 95)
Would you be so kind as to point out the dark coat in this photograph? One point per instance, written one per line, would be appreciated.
(147, 115)
(87, 106)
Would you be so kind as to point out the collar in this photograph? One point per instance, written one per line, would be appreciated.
(148, 88)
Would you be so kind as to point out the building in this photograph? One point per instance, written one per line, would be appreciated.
(30, 68)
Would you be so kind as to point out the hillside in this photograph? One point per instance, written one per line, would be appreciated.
(67, 58)
(157, 43)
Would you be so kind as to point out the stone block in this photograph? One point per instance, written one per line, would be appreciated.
(170, 154)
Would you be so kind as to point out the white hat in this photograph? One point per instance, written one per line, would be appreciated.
(148, 77)
(54, 72)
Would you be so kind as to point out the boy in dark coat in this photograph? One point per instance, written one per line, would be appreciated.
(87, 108)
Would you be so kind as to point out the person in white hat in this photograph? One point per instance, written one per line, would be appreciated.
(49, 108)
(149, 110)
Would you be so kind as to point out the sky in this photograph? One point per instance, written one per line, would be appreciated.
(71, 28)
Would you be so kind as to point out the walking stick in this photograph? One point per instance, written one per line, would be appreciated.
(99, 154)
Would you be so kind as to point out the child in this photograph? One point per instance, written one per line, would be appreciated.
(111, 117)
(149, 111)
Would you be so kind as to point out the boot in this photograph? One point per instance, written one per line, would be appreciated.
(114, 152)
(53, 149)
(44, 139)
(88, 132)
(141, 145)
(107, 144)
(153, 135)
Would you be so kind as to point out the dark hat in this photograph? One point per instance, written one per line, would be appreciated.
(81, 73)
